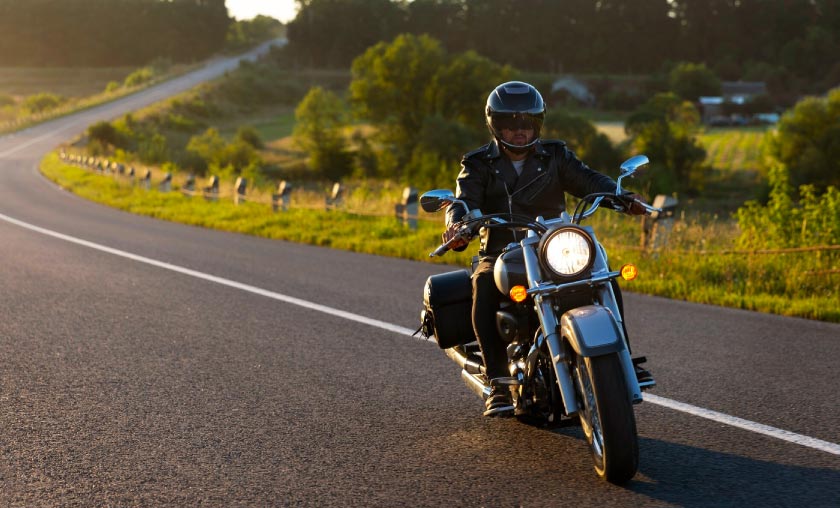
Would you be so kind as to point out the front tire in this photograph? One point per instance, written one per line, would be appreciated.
(607, 417)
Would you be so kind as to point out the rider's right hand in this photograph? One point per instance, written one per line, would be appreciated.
(452, 232)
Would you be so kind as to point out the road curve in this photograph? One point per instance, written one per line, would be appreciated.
(146, 362)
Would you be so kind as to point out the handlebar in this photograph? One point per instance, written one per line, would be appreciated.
(619, 203)
(475, 219)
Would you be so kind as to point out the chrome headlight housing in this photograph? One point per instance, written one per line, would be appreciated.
(567, 252)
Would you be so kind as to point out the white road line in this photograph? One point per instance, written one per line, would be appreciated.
(32, 141)
(212, 278)
(733, 421)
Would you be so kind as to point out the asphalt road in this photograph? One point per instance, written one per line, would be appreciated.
(150, 363)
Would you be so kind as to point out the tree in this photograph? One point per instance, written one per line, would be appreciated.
(690, 81)
(319, 120)
(390, 84)
(101, 33)
(326, 33)
(245, 33)
(664, 129)
(581, 136)
(397, 86)
(807, 141)
(459, 89)
(440, 145)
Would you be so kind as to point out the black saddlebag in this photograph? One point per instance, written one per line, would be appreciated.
(447, 302)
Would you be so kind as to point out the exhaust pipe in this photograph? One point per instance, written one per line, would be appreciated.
(458, 356)
(475, 384)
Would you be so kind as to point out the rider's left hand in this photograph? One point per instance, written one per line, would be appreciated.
(636, 207)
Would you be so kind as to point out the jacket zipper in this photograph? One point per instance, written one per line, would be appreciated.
(510, 197)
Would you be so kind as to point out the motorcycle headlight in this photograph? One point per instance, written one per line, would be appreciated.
(567, 252)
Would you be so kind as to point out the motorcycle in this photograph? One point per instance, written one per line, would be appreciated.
(568, 354)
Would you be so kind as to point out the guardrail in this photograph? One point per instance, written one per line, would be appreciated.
(406, 210)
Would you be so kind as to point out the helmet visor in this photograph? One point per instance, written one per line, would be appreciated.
(516, 121)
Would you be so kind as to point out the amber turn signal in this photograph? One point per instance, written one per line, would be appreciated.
(629, 271)
(518, 294)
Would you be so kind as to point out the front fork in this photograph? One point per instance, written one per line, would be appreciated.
(551, 327)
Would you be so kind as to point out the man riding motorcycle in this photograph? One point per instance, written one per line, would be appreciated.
(516, 173)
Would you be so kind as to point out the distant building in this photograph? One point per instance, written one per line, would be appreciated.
(574, 87)
(739, 92)
(713, 109)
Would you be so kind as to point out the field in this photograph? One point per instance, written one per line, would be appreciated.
(733, 156)
(61, 81)
(77, 89)
(733, 149)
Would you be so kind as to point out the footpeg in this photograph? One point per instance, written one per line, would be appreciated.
(504, 381)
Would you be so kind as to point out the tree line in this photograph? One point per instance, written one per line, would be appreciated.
(791, 44)
(426, 105)
(71, 33)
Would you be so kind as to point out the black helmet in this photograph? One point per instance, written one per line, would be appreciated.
(514, 105)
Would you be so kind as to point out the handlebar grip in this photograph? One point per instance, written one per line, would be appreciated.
(650, 209)
(462, 234)
(440, 250)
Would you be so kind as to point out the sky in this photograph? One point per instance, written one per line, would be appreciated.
(284, 10)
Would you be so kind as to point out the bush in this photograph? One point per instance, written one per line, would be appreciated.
(665, 130)
(104, 132)
(807, 141)
(139, 77)
(813, 220)
(41, 102)
(249, 135)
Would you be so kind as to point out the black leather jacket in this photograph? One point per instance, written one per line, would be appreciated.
(489, 182)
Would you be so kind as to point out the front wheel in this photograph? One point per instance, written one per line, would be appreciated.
(607, 417)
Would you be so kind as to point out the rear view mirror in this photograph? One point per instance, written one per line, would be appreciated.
(436, 200)
(629, 167)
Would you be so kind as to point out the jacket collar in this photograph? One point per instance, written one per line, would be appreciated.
(494, 152)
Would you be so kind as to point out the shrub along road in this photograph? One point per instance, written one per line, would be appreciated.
(150, 362)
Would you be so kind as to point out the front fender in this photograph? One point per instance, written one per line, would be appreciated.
(591, 331)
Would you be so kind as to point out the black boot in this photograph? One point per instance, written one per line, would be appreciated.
(499, 402)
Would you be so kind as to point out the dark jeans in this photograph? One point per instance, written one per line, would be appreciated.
(486, 299)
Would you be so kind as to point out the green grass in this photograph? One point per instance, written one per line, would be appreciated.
(731, 150)
(733, 156)
(337, 229)
(271, 124)
(691, 268)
